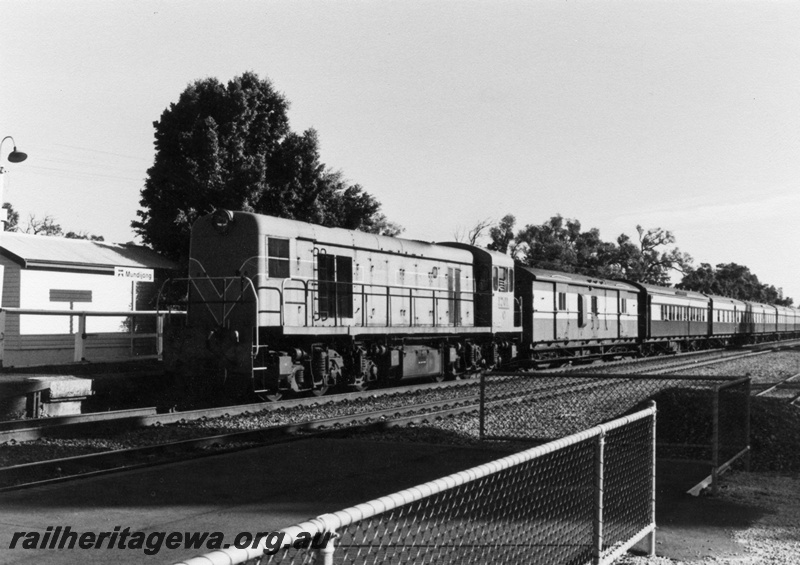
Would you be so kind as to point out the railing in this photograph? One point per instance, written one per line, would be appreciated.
(82, 337)
(362, 292)
(701, 419)
(586, 498)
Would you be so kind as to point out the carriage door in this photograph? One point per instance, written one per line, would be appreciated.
(454, 296)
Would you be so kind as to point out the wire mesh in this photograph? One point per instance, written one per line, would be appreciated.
(540, 408)
(538, 506)
(734, 431)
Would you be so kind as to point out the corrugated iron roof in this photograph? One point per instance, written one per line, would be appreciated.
(58, 252)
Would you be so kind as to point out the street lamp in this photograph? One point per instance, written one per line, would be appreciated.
(13, 157)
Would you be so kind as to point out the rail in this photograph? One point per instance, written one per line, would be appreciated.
(585, 498)
(81, 336)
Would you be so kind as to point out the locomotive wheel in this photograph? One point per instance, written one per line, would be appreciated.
(274, 396)
(319, 391)
(437, 378)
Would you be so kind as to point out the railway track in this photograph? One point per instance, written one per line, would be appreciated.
(107, 461)
(788, 388)
(121, 420)
(57, 470)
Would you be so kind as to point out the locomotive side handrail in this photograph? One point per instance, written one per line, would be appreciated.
(386, 291)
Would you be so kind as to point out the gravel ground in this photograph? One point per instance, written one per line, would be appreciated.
(764, 368)
(774, 539)
(13, 453)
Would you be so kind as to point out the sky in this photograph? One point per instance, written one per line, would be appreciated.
(683, 115)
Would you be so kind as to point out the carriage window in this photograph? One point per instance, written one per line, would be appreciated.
(594, 305)
(494, 278)
(511, 280)
(623, 305)
(562, 300)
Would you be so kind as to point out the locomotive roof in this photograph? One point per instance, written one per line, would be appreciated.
(37, 251)
(282, 227)
(557, 276)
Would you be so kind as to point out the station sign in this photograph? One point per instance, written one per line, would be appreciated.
(134, 273)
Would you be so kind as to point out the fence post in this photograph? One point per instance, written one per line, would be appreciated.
(326, 553)
(599, 453)
(747, 426)
(715, 441)
(652, 544)
(80, 339)
(2, 336)
(160, 336)
(482, 409)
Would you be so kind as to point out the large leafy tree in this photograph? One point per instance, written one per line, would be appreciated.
(651, 259)
(732, 280)
(230, 146)
(560, 244)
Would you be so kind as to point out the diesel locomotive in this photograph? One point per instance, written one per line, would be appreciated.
(276, 305)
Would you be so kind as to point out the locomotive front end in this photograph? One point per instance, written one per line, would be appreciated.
(212, 354)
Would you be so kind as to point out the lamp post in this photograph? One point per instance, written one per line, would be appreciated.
(13, 157)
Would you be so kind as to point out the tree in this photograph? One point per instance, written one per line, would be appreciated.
(43, 226)
(733, 281)
(560, 245)
(12, 218)
(230, 146)
(472, 235)
(83, 235)
(648, 262)
(502, 235)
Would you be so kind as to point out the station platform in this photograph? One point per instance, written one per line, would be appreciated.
(75, 388)
(269, 488)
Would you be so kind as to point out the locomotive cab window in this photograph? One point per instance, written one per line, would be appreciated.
(502, 279)
(277, 258)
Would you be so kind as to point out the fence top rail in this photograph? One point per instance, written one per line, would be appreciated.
(669, 377)
(46, 312)
(733, 383)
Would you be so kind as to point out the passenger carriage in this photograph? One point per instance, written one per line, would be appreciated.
(727, 317)
(568, 316)
(672, 320)
(760, 322)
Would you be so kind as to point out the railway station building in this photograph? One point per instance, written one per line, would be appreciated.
(59, 274)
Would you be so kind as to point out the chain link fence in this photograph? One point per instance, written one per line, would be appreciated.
(585, 498)
(701, 419)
